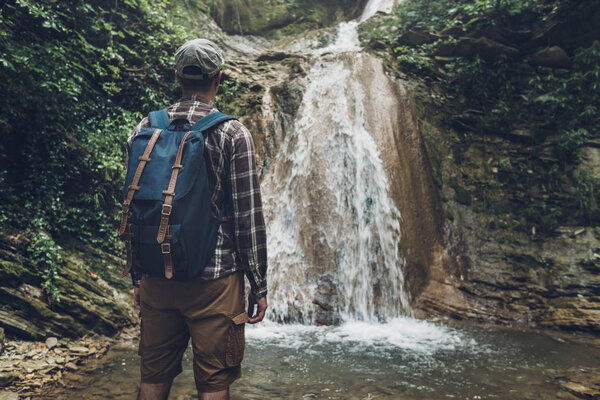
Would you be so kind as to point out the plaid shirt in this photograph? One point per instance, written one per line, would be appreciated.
(241, 238)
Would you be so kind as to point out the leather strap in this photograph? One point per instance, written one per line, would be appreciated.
(165, 249)
(167, 206)
(144, 159)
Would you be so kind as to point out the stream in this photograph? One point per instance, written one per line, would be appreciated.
(402, 359)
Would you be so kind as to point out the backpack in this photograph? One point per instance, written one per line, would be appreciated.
(167, 224)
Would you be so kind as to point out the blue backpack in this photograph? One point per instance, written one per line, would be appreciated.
(167, 224)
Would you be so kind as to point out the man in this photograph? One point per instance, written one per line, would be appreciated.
(209, 309)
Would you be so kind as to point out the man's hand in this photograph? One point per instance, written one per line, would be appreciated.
(259, 314)
(136, 298)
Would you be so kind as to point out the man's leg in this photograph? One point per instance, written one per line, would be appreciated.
(220, 395)
(154, 391)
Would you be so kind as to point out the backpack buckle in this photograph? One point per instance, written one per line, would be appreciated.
(165, 248)
(166, 209)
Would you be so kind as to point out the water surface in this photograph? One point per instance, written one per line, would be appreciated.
(403, 359)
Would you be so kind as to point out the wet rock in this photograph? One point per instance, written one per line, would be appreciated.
(6, 378)
(552, 57)
(582, 383)
(327, 298)
(51, 342)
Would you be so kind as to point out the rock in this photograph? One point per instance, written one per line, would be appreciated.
(553, 57)
(79, 350)
(6, 378)
(453, 31)
(273, 56)
(9, 396)
(417, 37)
(2, 340)
(71, 366)
(483, 47)
(51, 342)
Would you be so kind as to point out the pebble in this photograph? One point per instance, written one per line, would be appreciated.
(51, 342)
(33, 368)
(79, 349)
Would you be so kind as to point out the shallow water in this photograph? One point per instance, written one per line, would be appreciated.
(403, 359)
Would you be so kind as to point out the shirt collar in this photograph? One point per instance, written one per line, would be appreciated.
(197, 98)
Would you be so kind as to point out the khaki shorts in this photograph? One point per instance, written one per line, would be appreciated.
(210, 312)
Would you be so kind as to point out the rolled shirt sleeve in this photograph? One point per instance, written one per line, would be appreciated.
(249, 225)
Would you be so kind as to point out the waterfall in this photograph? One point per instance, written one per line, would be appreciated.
(333, 229)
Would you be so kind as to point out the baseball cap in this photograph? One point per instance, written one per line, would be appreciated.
(201, 53)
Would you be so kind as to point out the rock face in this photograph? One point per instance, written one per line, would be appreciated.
(86, 305)
(506, 276)
(262, 17)
(552, 57)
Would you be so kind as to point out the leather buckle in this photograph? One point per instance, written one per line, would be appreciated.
(165, 248)
(166, 209)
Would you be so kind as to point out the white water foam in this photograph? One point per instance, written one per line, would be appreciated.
(405, 334)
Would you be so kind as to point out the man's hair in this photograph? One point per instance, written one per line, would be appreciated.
(195, 85)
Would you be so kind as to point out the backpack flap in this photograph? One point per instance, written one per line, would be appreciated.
(157, 173)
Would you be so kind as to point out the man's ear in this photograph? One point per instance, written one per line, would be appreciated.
(218, 80)
(176, 76)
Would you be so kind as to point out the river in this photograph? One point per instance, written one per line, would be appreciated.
(402, 359)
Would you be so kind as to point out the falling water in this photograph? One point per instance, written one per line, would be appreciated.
(333, 228)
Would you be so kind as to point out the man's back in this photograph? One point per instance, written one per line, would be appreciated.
(232, 173)
(209, 309)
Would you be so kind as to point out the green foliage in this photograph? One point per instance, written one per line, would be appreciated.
(76, 78)
(48, 255)
(486, 85)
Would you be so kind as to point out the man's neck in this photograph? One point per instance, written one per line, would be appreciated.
(208, 96)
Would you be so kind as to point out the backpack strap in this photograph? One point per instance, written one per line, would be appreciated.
(211, 120)
(206, 122)
(159, 119)
(125, 227)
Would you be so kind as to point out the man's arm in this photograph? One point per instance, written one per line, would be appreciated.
(250, 233)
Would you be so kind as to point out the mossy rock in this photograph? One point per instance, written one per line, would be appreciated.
(274, 19)
(86, 305)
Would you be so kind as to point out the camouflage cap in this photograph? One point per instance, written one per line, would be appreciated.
(201, 53)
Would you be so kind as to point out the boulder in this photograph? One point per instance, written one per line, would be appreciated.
(483, 47)
(552, 57)
(416, 37)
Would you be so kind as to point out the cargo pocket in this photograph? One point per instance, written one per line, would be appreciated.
(236, 341)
